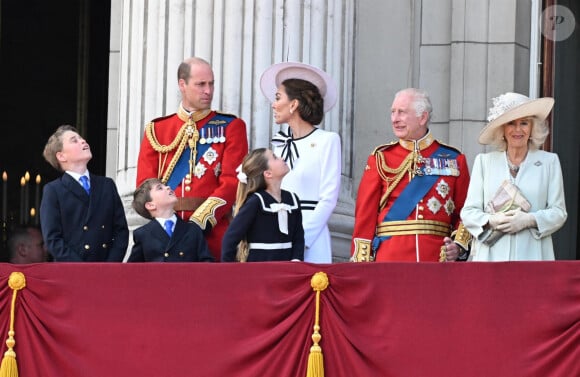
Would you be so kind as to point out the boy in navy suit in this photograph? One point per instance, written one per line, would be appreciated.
(81, 214)
(166, 238)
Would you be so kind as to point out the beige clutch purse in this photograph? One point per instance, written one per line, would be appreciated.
(507, 197)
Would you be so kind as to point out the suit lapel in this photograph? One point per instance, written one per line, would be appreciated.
(179, 231)
(75, 188)
(159, 233)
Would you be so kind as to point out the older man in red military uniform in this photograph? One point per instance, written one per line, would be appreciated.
(196, 152)
(411, 192)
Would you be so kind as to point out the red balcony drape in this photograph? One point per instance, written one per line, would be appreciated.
(256, 319)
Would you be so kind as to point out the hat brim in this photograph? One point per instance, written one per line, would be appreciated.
(277, 73)
(537, 108)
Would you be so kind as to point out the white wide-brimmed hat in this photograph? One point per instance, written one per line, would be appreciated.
(511, 106)
(277, 73)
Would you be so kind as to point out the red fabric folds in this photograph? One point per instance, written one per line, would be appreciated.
(256, 319)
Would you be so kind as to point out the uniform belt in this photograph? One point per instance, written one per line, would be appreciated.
(188, 204)
(270, 246)
(409, 227)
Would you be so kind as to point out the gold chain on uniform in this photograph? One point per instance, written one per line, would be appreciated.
(187, 134)
(409, 165)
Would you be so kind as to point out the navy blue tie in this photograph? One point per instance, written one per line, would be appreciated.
(169, 227)
(85, 182)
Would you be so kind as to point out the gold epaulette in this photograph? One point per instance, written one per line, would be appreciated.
(449, 146)
(383, 147)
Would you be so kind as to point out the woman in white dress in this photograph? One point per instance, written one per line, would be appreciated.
(300, 95)
(517, 129)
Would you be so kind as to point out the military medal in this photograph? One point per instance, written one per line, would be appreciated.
(209, 139)
(216, 138)
(202, 139)
(222, 137)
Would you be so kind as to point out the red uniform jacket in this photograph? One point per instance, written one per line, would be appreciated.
(213, 183)
(442, 203)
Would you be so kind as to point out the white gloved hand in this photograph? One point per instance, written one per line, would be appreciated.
(517, 220)
(497, 219)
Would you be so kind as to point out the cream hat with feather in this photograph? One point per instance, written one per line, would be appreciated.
(511, 106)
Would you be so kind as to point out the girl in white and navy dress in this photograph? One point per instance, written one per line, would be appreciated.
(267, 223)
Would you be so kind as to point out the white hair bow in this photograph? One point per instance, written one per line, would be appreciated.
(242, 177)
(282, 210)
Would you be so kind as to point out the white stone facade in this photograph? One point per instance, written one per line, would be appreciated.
(463, 52)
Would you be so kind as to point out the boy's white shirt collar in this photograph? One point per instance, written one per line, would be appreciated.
(162, 220)
(77, 176)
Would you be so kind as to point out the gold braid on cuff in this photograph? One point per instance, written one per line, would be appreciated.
(362, 251)
(462, 237)
(205, 213)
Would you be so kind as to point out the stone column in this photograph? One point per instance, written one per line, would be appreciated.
(240, 40)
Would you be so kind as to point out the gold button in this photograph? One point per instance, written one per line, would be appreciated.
(87, 247)
(421, 208)
(102, 226)
(420, 216)
(187, 188)
(181, 253)
(187, 181)
(85, 228)
(104, 246)
(166, 255)
(188, 176)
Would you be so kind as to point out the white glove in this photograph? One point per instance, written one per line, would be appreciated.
(517, 220)
(497, 219)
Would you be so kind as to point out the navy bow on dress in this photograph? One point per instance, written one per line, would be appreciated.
(290, 151)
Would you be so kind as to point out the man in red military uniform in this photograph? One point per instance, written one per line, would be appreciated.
(411, 192)
(196, 152)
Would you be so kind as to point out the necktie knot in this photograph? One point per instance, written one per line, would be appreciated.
(169, 227)
(85, 182)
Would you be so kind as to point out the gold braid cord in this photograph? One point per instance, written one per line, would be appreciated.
(319, 282)
(383, 169)
(9, 367)
(187, 135)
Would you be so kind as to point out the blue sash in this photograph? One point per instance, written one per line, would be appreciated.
(411, 194)
(182, 166)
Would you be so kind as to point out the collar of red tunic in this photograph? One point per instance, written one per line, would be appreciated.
(418, 145)
(184, 115)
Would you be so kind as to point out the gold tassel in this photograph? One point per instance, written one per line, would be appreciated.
(9, 367)
(315, 367)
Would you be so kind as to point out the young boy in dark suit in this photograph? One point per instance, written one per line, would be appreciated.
(81, 214)
(166, 238)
